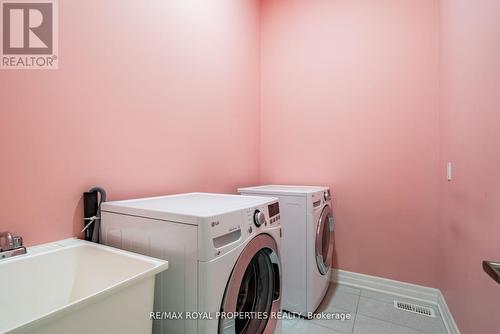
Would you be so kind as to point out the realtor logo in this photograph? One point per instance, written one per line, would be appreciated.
(29, 34)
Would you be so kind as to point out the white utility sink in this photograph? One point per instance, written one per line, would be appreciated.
(74, 286)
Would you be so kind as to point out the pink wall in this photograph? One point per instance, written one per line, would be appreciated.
(151, 97)
(350, 100)
(470, 123)
(156, 97)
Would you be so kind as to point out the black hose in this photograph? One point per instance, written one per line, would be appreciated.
(97, 222)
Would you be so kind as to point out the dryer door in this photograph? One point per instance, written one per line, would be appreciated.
(324, 241)
(253, 289)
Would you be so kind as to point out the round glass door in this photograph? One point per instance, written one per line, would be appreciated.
(253, 290)
(324, 241)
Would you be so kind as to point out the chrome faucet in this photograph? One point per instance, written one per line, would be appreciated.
(10, 245)
(6, 236)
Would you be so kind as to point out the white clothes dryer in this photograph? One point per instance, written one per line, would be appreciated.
(307, 243)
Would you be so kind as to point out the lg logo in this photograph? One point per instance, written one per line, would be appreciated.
(29, 34)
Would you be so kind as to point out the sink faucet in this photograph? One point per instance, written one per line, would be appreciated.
(9, 241)
(10, 245)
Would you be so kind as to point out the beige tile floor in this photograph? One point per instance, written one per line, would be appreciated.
(370, 313)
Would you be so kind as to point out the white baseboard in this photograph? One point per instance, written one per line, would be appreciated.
(397, 288)
(402, 289)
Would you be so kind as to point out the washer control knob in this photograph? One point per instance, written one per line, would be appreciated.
(259, 218)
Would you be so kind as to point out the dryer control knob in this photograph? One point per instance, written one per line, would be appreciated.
(327, 195)
(259, 218)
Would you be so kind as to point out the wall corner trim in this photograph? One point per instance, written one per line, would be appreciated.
(400, 289)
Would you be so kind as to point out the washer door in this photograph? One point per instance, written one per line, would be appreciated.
(253, 289)
(324, 241)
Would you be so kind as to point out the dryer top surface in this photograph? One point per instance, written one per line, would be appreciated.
(283, 190)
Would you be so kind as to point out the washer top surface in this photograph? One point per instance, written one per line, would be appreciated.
(283, 190)
(186, 208)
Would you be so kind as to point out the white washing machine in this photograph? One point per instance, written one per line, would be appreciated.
(223, 253)
(307, 243)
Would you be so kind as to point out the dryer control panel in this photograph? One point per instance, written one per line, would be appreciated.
(320, 199)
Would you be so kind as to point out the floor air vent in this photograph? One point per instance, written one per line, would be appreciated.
(418, 309)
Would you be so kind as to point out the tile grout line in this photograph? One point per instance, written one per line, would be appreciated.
(356, 314)
(399, 325)
(340, 310)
